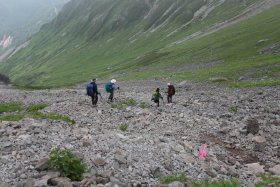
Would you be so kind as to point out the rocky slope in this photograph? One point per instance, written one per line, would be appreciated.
(240, 127)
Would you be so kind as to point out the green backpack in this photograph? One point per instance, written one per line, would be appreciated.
(108, 87)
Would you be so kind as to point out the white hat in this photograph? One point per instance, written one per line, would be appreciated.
(168, 84)
(113, 81)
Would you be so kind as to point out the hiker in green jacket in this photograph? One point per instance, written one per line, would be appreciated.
(156, 96)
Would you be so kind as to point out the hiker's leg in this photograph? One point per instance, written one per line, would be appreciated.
(92, 99)
(111, 95)
(170, 99)
(158, 103)
(95, 99)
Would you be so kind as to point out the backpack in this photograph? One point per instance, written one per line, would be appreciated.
(172, 90)
(155, 97)
(89, 89)
(108, 87)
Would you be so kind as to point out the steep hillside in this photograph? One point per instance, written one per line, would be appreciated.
(21, 19)
(147, 39)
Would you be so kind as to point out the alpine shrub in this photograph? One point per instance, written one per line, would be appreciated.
(67, 163)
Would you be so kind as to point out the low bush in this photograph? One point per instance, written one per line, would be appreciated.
(67, 163)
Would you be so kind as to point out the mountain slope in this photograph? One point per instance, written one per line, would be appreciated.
(20, 19)
(134, 39)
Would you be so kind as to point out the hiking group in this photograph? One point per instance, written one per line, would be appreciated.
(111, 86)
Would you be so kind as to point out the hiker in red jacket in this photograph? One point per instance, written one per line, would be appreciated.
(170, 92)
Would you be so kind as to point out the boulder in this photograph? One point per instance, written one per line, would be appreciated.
(42, 164)
(255, 168)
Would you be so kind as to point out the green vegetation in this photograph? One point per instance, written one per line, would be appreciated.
(36, 107)
(13, 117)
(10, 107)
(52, 116)
(232, 109)
(129, 102)
(137, 48)
(220, 183)
(144, 105)
(124, 103)
(268, 180)
(32, 110)
(123, 127)
(181, 177)
(67, 163)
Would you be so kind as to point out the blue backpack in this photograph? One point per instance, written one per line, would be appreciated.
(89, 89)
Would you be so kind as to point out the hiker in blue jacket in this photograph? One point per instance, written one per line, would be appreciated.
(92, 91)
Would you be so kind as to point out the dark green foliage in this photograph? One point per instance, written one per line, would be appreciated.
(67, 163)
(123, 127)
(220, 183)
(10, 107)
(269, 180)
(181, 177)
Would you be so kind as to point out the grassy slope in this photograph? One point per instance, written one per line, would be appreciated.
(236, 47)
(61, 60)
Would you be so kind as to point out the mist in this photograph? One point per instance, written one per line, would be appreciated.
(20, 19)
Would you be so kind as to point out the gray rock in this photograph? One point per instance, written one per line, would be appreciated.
(120, 159)
(29, 182)
(275, 170)
(60, 181)
(253, 126)
(42, 164)
(255, 168)
(99, 162)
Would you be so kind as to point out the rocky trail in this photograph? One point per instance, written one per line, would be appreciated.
(241, 128)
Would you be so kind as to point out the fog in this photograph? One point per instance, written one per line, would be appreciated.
(21, 18)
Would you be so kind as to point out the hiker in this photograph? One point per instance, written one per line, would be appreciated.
(156, 96)
(170, 92)
(110, 87)
(92, 91)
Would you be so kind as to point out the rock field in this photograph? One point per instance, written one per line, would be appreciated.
(241, 128)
